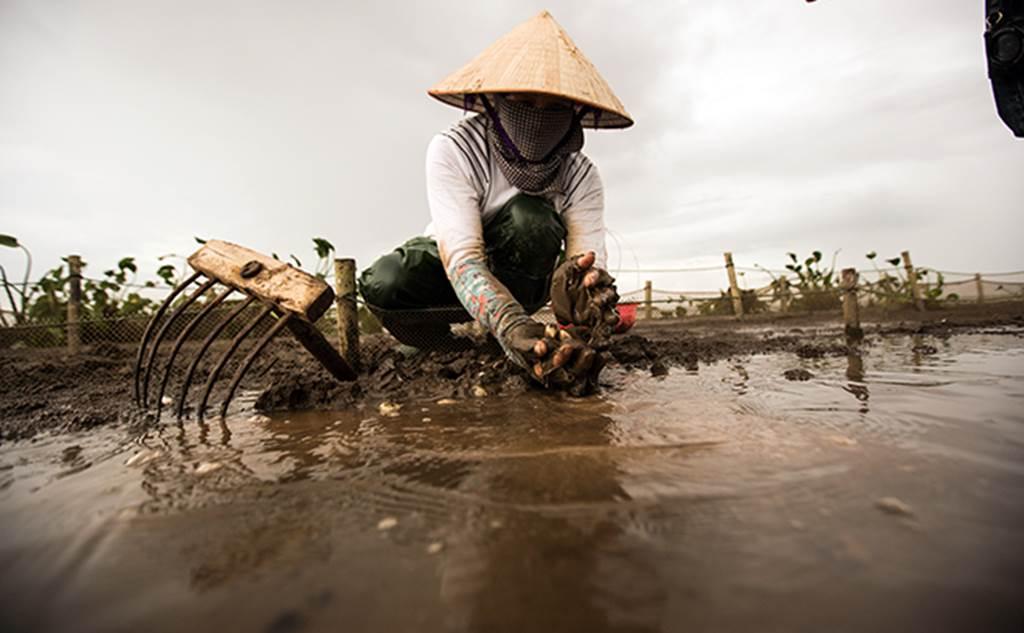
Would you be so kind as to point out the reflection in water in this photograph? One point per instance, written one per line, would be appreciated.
(855, 373)
(537, 526)
(557, 566)
(741, 380)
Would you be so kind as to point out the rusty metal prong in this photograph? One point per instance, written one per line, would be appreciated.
(210, 338)
(149, 331)
(215, 372)
(249, 359)
(185, 333)
(198, 292)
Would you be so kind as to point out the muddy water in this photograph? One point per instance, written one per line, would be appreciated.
(881, 493)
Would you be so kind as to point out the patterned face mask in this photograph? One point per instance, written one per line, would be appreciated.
(530, 142)
(534, 131)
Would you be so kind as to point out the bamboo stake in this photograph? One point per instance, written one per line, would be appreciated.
(979, 287)
(648, 297)
(348, 316)
(784, 294)
(734, 288)
(74, 303)
(915, 291)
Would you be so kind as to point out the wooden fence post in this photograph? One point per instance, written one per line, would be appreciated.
(648, 300)
(348, 313)
(915, 291)
(734, 288)
(74, 303)
(784, 294)
(979, 287)
(851, 309)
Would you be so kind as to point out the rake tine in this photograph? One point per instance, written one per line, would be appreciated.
(185, 333)
(198, 292)
(149, 331)
(247, 363)
(210, 338)
(246, 331)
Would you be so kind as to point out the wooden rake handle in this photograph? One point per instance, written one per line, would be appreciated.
(292, 292)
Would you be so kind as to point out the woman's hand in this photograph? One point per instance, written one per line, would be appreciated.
(554, 357)
(584, 295)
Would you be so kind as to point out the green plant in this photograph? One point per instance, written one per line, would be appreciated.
(45, 300)
(896, 289)
(19, 304)
(722, 305)
(817, 286)
(323, 250)
(114, 295)
(110, 297)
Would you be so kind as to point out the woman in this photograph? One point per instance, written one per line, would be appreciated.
(508, 189)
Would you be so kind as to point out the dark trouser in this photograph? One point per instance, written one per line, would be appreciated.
(523, 243)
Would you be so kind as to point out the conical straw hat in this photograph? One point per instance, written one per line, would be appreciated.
(536, 56)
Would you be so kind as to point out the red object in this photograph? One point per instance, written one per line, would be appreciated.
(627, 317)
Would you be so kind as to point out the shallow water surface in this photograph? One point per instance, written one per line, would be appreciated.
(882, 493)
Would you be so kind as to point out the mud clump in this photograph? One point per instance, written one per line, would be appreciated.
(822, 351)
(45, 390)
(658, 368)
(798, 375)
(390, 373)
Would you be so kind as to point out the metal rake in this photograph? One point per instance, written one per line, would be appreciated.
(288, 298)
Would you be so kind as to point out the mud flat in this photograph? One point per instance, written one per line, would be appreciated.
(44, 390)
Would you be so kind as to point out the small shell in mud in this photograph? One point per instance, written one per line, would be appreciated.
(446, 401)
(479, 392)
(205, 468)
(435, 547)
(166, 401)
(142, 457)
(387, 523)
(389, 409)
(842, 440)
(892, 505)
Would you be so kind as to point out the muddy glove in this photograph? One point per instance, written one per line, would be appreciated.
(558, 359)
(584, 296)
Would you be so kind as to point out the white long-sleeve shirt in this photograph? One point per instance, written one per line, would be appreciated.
(465, 187)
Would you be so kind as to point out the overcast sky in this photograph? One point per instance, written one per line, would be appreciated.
(128, 127)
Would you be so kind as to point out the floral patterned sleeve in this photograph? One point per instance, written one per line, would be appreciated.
(455, 213)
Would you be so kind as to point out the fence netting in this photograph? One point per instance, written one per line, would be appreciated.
(760, 291)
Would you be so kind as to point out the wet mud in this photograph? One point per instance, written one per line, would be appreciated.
(44, 390)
